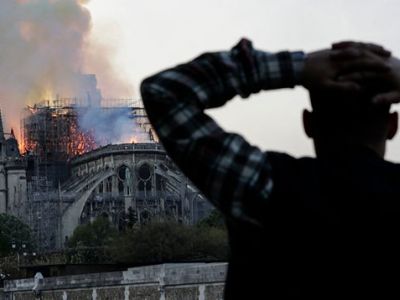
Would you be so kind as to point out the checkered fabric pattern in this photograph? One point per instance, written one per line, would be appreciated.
(234, 175)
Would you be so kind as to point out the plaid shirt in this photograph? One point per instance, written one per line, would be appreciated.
(234, 175)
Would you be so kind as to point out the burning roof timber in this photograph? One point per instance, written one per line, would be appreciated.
(67, 128)
(52, 132)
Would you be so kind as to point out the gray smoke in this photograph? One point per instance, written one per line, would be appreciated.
(112, 125)
(40, 52)
(43, 44)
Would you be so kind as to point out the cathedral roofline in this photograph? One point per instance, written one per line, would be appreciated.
(114, 149)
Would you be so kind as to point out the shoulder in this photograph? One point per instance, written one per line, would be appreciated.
(391, 165)
(389, 170)
(280, 160)
(289, 172)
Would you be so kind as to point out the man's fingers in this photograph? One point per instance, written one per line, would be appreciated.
(387, 98)
(348, 53)
(362, 76)
(377, 49)
(364, 65)
(343, 44)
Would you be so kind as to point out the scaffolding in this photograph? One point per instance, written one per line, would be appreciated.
(52, 131)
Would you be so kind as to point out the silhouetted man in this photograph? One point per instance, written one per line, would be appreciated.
(312, 227)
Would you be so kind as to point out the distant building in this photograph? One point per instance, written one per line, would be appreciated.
(13, 185)
(63, 181)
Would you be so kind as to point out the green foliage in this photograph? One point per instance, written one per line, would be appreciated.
(89, 242)
(169, 241)
(155, 242)
(131, 217)
(211, 243)
(12, 230)
(94, 234)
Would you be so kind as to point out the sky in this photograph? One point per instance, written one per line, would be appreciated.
(144, 37)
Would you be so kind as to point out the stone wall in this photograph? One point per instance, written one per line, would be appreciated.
(202, 281)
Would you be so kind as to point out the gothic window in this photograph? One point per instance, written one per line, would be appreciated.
(120, 187)
(144, 172)
(124, 176)
(109, 185)
(160, 183)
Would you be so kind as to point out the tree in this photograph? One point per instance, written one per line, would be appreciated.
(169, 241)
(152, 243)
(128, 220)
(95, 234)
(13, 231)
(89, 243)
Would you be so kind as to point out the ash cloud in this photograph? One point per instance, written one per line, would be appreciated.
(43, 53)
(40, 52)
(112, 125)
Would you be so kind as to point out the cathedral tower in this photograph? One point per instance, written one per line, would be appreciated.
(3, 175)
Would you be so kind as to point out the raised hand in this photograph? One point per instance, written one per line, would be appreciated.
(329, 69)
(354, 48)
(393, 78)
(389, 82)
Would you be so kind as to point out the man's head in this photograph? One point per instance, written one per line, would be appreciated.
(340, 122)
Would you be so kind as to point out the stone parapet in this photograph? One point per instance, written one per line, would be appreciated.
(203, 281)
(118, 149)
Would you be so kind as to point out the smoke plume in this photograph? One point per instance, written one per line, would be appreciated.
(110, 126)
(41, 51)
(44, 47)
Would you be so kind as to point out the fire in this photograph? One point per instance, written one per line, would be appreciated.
(27, 146)
(80, 142)
(60, 130)
(53, 133)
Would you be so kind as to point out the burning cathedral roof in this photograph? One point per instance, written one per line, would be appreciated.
(71, 128)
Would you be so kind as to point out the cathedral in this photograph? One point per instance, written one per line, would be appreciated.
(129, 183)
(13, 184)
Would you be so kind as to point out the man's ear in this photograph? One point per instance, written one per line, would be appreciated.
(308, 123)
(393, 125)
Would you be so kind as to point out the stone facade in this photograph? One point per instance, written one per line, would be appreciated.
(13, 185)
(197, 281)
(128, 180)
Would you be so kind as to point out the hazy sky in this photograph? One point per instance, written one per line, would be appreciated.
(143, 37)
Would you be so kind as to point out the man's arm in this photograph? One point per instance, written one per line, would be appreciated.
(234, 175)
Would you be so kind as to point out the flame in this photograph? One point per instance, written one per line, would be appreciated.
(47, 94)
(49, 132)
(56, 132)
(80, 142)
